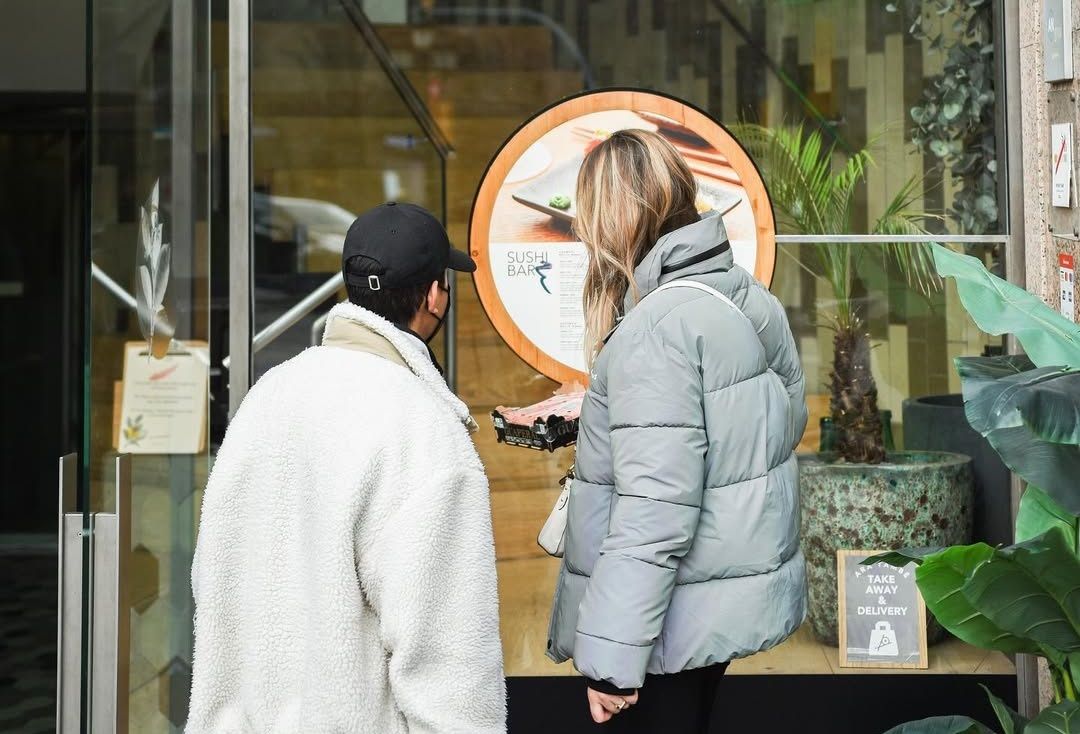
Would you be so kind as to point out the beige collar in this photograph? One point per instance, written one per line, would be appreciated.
(349, 334)
(351, 327)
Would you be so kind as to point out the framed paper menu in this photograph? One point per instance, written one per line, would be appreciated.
(163, 402)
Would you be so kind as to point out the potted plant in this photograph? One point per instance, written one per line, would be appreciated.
(857, 496)
(1023, 598)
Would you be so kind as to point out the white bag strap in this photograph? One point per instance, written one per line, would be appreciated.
(701, 287)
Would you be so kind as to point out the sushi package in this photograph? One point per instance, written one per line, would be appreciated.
(545, 426)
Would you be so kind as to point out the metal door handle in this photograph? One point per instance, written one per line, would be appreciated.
(69, 603)
(107, 542)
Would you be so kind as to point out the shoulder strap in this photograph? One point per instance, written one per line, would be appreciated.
(682, 283)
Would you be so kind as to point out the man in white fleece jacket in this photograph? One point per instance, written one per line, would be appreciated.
(344, 576)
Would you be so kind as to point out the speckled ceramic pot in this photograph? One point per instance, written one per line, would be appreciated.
(915, 499)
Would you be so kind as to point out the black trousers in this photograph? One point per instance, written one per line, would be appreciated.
(681, 703)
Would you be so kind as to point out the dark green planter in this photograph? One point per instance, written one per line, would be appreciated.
(915, 499)
(938, 423)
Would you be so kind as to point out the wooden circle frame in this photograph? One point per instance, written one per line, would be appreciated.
(559, 113)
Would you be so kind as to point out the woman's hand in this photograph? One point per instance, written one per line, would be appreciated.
(603, 706)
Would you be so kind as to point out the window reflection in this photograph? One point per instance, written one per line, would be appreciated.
(857, 72)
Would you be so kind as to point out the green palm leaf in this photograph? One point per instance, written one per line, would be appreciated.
(812, 197)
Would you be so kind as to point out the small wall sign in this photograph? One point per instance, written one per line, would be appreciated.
(1067, 285)
(1057, 39)
(882, 615)
(1061, 145)
(163, 402)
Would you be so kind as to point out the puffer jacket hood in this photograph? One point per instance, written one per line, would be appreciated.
(682, 545)
(701, 247)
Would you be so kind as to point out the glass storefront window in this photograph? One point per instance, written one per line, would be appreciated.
(867, 76)
(332, 136)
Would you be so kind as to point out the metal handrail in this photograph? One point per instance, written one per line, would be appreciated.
(290, 318)
(557, 31)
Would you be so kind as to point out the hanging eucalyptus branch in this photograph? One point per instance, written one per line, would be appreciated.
(955, 122)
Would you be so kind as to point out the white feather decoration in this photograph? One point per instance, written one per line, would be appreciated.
(152, 263)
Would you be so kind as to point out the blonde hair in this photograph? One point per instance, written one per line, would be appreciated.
(632, 189)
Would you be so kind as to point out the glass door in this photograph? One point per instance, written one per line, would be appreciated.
(147, 369)
(160, 324)
(171, 285)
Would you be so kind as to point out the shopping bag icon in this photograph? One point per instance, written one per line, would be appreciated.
(883, 640)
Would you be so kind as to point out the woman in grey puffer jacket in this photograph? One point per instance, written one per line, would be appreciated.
(682, 546)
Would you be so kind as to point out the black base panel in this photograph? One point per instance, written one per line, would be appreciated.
(763, 704)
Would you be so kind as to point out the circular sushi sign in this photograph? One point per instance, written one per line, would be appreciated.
(531, 267)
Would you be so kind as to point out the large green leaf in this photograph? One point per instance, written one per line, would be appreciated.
(999, 307)
(1046, 399)
(1061, 718)
(941, 579)
(980, 382)
(1011, 721)
(1054, 467)
(1039, 513)
(1031, 590)
(1031, 417)
(941, 725)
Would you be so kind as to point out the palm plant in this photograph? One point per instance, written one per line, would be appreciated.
(813, 195)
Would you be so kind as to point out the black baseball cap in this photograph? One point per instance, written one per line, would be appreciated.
(398, 245)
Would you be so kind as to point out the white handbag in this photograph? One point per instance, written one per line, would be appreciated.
(552, 536)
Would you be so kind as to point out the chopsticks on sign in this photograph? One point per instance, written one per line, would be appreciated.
(713, 165)
(687, 152)
(723, 174)
(672, 128)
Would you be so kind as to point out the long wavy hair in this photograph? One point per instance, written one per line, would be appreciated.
(632, 189)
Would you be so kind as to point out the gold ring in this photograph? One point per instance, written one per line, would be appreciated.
(620, 705)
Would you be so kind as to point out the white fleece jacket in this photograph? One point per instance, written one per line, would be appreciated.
(344, 576)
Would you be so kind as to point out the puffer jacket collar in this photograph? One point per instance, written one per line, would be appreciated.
(372, 329)
(701, 247)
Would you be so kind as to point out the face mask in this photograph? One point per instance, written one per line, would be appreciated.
(440, 319)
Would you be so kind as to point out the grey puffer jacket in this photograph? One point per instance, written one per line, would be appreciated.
(682, 545)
